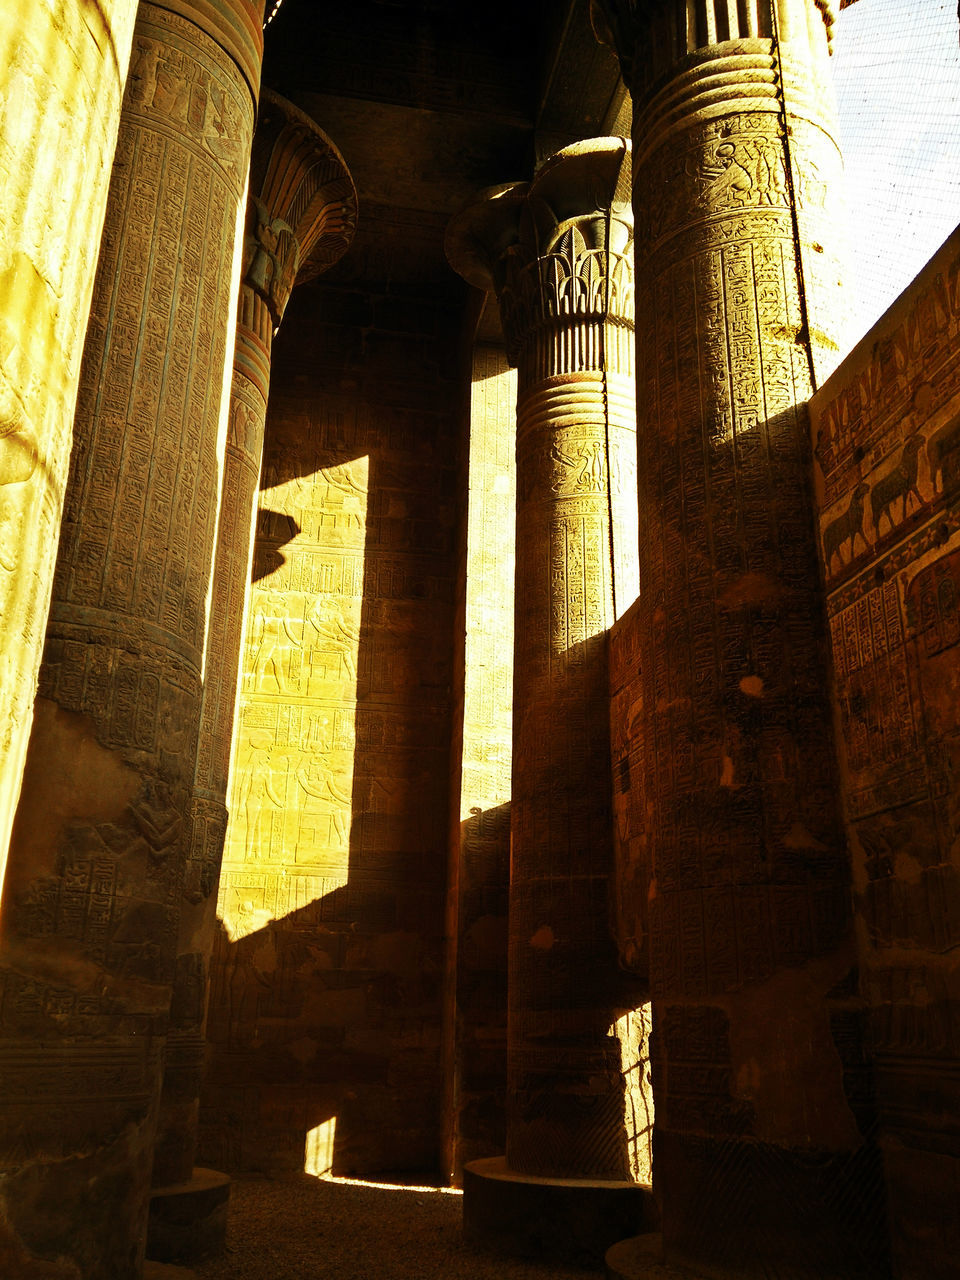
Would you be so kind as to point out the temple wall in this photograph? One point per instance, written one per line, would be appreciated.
(886, 433)
(324, 1020)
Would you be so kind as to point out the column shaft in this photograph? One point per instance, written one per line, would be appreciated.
(301, 218)
(565, 1113)
(94, 882)
(183, 1064)
(62, 68)
(760, 1155)
(557, 253)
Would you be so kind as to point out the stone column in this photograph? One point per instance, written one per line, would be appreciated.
(557, 252)
(62, 71)
(95, 875)
(760, 1157)
(301, 216)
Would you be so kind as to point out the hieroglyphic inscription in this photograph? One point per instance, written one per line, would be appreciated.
(134, 558)
(738, 842)
(567, 310)
(887, 437)
(331, 893)
(738, 463)
(888, 483)
(327, 565)
(62, 81)
(564, 607)
(894, 652)
(100, 841)
(727, 825)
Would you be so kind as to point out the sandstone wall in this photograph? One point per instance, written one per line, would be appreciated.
(324, 1021)
(886, 432)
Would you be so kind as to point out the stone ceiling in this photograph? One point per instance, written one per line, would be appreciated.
(431, 100)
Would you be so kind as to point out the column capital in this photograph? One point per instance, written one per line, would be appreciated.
(664, 31)
(302, 210)
(557, 250)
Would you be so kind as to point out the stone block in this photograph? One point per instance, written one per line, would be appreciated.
(188, 1222)
(565, 1220)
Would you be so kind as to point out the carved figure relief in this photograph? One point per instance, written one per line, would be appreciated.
(324, 797)
(943, 455)
(845, 528)
(246, 426)
(896, 488)
(898, 485)
(272, 638)
(258, 789)
(582, 466)
(270, 257)
(166, 80)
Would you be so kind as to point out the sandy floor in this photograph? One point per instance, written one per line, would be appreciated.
(300, 1228)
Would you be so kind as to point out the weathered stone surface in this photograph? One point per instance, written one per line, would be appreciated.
(94, 879)
(324, 1017)
(631, 881)
(557, 253)
(301, 217)
(188, 1220)
(886, 435)
(735, 846)
(568, 1220)
(62, 71)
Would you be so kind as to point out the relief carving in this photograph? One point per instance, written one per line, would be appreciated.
(165, 80)
(107, 785)
(271, 257)
(557, 253)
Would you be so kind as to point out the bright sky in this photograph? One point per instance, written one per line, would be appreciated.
(896, 66)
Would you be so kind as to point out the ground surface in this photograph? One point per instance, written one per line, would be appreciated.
(302, 1228)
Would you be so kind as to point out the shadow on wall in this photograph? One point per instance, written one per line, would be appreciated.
(325, 1001)
(479, 1085)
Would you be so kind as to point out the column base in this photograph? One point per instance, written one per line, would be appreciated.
(163, 1271)
(571, 1220)
(634, 1258)
(188, 1221)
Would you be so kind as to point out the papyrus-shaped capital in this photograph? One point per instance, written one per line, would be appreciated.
(302, 211)
(557, 250)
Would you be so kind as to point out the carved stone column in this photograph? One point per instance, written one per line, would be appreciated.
(62, 71)
(760, 1155)
(557, 252)
(95, 875)
(302, 212)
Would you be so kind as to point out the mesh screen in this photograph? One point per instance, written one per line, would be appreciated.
(896, 67)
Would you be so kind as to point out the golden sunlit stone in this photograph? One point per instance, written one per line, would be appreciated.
(62, 73)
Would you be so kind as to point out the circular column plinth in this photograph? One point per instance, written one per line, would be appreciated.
(571, 1220)
(188, 1221)
(637, 1258)
(161, 1271)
